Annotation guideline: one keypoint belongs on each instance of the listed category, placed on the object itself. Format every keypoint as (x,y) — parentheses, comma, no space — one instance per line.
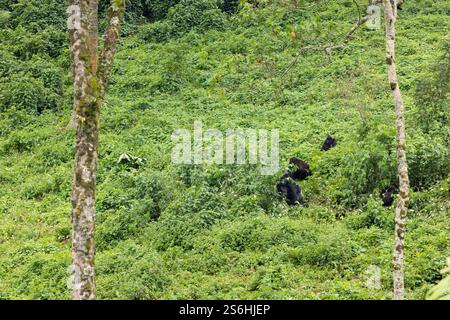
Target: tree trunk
(390,14)
(88,95)
(86,109)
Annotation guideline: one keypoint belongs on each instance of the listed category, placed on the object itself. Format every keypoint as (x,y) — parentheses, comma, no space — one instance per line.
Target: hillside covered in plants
(172,231)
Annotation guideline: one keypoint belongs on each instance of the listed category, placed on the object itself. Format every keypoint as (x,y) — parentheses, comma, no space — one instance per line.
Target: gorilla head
(387,195)
(299,169)
(290,190)
(328,144)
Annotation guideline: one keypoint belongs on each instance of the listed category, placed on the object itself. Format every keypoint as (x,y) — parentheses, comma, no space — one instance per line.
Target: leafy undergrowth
(167,231)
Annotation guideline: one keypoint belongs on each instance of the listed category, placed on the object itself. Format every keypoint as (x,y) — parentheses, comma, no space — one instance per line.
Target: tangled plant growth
(217,231)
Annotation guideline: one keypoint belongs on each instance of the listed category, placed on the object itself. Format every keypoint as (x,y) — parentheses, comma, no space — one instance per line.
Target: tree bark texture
(88,92)
(390,13)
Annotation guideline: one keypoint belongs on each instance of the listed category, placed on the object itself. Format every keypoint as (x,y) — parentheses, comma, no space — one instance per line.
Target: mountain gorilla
(287,187)
(329,143)
(299,169)
(387,195)
(290,190)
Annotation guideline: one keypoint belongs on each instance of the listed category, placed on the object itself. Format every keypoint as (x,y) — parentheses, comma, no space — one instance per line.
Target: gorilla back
(387,195)
(299,169)
(290,190)
(329,143)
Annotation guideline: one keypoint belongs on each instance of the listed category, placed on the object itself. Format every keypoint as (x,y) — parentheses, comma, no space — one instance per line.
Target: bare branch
(329,48)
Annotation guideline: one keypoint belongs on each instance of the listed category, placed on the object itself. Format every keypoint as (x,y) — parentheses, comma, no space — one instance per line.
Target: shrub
(374,214)
(230,6)
(115,226)
(190,215)
(159,31)
(24,140)
(213,19)
(188,15)
(441,291)
(431,96)
(157,10)
(7,63)
(428,160)
(4,18)
(34,94)
(267,279)
(138,10)
(131,271)
(355,171)
(261,232)
(26,93)
(333,250)
(36,15)
(40,186)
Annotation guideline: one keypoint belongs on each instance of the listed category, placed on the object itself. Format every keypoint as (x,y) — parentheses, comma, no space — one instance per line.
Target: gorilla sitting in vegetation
(287,187)
(290,190)
(299,169)
(328,144)
(387,195)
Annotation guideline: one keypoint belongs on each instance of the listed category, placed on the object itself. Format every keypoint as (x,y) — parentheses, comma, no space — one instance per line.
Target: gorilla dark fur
(299,169)
(329,143)
(290,190)
(287,187)
(387,195)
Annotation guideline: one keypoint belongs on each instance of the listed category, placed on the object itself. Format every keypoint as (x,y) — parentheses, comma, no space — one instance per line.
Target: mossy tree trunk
(390,14)
(89,79)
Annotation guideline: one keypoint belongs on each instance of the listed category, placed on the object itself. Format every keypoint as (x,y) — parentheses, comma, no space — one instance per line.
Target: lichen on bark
(89,90)
(390,13)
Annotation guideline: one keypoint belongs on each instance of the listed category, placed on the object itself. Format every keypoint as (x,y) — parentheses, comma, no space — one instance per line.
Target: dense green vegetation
(168,231)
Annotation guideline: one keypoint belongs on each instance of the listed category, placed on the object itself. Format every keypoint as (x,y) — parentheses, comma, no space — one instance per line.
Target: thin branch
(106,58)
(331,46)
(359,11)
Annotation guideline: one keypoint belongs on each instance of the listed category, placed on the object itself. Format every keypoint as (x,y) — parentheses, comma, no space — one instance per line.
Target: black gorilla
(299,169)
(387,195)
(287,187)
(290,190)
(328,144)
